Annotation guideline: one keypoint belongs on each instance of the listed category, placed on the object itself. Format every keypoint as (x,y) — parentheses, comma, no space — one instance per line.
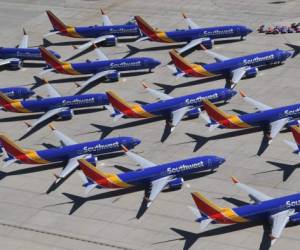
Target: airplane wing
(191,44)
(24,42)
(5,62)
(94,78)
(276,126)
(52,92)
(156,187)
(94,41)
(46,116)
(138,159)
(238,74)
(260,106)
(254,194)
(158,94)
(178,115)
(64,139)
(105,19)
(101,56)
(190,23)
(70,167)
(215,55)
(279,221)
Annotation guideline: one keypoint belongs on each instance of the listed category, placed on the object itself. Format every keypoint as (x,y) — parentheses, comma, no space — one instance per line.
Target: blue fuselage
(23,53)
(17,92)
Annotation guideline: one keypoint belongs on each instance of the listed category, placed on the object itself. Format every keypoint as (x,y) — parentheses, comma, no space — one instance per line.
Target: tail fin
(11,147)
(4,99)
(126,108)
(51,59)
(296,133)
(180,63)
(145,27)
(214,112)
(56,22)
(206,206)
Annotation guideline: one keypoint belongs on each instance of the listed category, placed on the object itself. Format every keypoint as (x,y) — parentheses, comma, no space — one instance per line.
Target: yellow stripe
(18,106)
(230,214)
(35,157)
(199,69)
(69,69)
(139,110)
(234,119)
(164,38)
(72,32)
(115,179)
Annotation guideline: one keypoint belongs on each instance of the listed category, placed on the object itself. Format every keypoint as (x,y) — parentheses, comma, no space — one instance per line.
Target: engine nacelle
(112,77)
(15,64)
(176,183)
(66,115)
(252,72)
(193,113)
(92,160)
(208,43)
(109,41)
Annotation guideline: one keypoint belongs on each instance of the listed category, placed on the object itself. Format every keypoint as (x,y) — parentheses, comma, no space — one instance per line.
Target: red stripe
(144,27)
(214,114)
(51,60)
(296,134)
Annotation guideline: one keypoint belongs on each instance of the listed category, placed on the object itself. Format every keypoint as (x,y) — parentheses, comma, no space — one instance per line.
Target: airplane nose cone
(136,141)
(288,54)
(249,30)
(233,93)
(31,92)
(220,160)
(156,63)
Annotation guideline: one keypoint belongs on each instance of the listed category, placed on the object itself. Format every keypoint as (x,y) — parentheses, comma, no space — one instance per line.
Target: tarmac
(106,219)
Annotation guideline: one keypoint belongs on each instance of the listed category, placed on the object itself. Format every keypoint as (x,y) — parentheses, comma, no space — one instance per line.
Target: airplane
(173,108)
(296,134)
(154,177)
(69,151)
(14,57)
(17,92)
(193,37)
(278,212)
(102,68)
(270,120)
(233,69)
(53,106)
(107,34)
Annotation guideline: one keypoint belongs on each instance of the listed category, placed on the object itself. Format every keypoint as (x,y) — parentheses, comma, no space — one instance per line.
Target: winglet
(45,81)
(235,180)
(184,15)
(124,148)
(102,11)
(202,46)
(145,85)
(51,127)
(95,46)
(28,124)
(24,32)
(242,93)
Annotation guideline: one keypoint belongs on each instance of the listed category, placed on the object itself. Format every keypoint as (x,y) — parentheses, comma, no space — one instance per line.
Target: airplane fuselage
(65,153)
(164,108)
(43,105)
(211,32)
(23,53)
(17,92)
(176,169)
(95,31)
(225,68)
(263,210)
(118,65)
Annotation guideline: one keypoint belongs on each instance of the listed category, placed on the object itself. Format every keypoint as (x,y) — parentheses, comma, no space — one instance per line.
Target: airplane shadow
(202,140)
(286,169)
(169,88)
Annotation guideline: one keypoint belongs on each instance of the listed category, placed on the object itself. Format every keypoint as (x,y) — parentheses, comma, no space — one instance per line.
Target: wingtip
(145,85)
(24,32)
(95,45)
(45,81)
(102,11)
(28,124)
(234,179)
(202,46)
(124,148)
(51,127)
(184,15)
(242,93)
